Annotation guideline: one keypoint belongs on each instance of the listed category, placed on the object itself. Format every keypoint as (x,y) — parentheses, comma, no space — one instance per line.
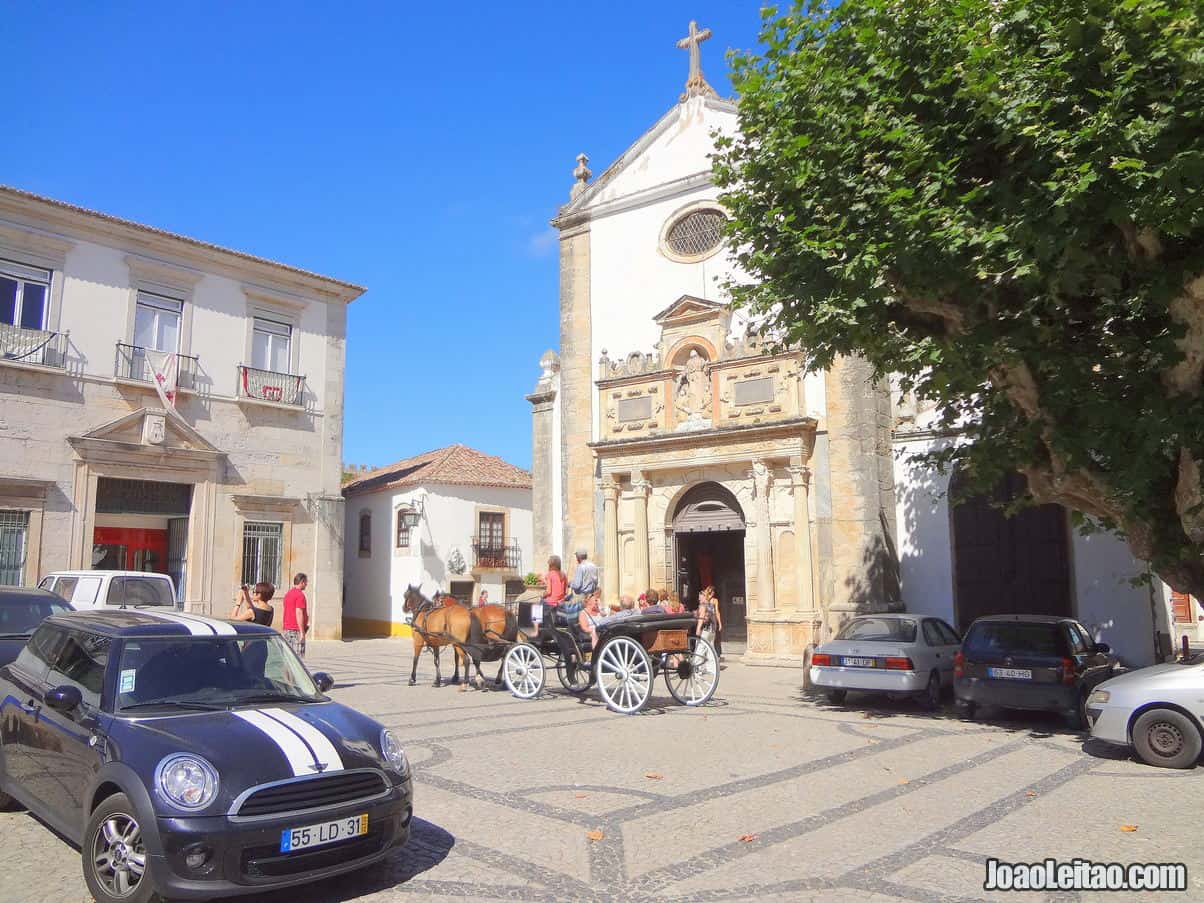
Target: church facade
(673,447)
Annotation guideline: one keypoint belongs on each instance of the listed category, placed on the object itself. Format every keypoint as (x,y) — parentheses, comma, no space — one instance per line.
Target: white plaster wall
(376,586)
(1103,598)
(683,148)
(925,542)
(367,581)
(95,311)
(1107,603)
(630,279)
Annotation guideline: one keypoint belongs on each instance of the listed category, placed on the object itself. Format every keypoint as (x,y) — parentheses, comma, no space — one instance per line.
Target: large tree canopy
(1002,201)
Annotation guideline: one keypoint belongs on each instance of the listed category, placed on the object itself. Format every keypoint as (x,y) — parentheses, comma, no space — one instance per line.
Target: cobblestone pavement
(761,793)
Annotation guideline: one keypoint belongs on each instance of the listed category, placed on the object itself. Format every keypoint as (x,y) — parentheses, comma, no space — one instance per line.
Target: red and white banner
(165,371)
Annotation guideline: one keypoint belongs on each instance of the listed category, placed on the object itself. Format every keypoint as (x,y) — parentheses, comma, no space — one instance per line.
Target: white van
(98,589)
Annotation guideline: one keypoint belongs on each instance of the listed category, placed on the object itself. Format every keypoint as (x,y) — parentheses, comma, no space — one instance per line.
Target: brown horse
(437,625)
(494,630)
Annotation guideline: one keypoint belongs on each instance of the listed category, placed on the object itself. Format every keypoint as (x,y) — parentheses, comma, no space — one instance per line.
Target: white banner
(165,371)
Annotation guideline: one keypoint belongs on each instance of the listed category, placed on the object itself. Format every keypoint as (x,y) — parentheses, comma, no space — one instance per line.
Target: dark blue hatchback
(194,758)
(22,609)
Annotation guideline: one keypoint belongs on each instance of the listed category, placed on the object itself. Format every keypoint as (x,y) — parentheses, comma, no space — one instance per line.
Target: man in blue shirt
(585,578)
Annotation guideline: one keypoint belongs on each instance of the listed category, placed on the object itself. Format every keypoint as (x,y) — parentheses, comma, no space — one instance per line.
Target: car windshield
(22,617)
(138,591)
(1005,637)
(211,672)
(879,630)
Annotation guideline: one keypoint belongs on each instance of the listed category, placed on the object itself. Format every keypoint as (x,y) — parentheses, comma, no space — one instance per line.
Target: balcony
(499,555)
(20,345)
(132,366)
(271,387)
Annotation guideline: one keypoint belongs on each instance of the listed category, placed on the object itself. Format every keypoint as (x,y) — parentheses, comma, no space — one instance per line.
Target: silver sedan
(888,653)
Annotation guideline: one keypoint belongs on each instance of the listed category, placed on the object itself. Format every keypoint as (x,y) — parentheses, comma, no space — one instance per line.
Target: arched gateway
(708,539)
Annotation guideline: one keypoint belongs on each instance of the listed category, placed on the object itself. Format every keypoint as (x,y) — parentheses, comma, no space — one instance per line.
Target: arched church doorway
(708,540)
(1009,565)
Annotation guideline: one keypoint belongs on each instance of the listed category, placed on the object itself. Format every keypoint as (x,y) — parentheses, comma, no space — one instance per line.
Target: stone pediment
(675,151)
(688,310)
(154,428)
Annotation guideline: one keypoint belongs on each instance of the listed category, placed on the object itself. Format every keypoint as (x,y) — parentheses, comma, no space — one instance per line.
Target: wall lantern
(411,516)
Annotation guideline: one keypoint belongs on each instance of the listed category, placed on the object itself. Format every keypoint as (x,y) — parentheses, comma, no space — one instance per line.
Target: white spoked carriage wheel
(524,671)
(624,674)
(692,677)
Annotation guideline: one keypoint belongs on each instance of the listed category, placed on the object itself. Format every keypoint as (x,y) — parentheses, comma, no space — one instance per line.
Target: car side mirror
(1102,648)
(324,681)
(65,698)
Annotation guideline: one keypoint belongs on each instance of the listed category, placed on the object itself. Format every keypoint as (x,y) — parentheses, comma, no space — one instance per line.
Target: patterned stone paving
(760,794)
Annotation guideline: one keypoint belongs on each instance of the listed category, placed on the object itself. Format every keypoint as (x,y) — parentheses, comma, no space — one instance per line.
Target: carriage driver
(585,583)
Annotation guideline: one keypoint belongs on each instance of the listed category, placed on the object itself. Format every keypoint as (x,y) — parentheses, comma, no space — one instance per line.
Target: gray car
(888,653)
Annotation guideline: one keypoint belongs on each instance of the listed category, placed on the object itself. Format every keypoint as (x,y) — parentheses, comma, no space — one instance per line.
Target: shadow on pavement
(428,846)
(1098,749)
(878,706)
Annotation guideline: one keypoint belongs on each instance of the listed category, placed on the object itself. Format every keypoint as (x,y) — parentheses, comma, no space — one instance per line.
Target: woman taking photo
(248,607)
(709,622)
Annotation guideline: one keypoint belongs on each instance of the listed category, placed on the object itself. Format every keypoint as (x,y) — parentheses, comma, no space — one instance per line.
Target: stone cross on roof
(696,83)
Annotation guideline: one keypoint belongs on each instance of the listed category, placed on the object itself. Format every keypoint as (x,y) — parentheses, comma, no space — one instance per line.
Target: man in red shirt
(296,614)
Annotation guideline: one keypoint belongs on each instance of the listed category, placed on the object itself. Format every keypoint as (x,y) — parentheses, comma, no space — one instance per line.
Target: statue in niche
(692,396)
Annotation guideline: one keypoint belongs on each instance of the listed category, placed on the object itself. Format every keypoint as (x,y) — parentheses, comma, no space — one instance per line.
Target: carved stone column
(611,579)
(800,481)
(640,488)
(762,481)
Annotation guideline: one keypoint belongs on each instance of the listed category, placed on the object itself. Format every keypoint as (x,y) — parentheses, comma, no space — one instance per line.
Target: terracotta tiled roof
(457,465)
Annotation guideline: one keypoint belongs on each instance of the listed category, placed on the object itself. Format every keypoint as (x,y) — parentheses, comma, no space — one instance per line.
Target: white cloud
(543,243)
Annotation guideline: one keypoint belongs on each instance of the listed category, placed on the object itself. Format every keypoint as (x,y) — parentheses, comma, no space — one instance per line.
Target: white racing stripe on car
(300,759)
(220,628)
(322,747)
(195,628)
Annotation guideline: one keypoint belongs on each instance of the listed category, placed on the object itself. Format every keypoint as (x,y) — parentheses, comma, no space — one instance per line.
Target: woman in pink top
(556,582)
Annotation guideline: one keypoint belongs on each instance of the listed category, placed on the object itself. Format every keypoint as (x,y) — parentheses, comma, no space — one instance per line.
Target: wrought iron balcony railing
(133,365)
(32,346)
(266,385)
(488,553)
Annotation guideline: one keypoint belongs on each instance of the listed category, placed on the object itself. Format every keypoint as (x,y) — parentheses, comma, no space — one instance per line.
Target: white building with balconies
(230,471)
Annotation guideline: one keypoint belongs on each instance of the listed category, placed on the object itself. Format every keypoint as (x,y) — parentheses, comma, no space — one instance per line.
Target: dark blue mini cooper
(194,758)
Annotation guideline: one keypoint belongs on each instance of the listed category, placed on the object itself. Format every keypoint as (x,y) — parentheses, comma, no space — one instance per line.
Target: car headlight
(1099,697)
(390,749)
(186,780)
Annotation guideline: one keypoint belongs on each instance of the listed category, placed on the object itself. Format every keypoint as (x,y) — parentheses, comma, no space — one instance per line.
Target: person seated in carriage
(590,624)
(556,583)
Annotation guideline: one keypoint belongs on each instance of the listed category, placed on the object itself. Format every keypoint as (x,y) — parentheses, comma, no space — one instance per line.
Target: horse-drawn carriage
(630,652)
(530,638)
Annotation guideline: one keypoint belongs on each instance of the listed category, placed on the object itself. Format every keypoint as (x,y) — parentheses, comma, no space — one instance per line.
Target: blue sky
(417,149)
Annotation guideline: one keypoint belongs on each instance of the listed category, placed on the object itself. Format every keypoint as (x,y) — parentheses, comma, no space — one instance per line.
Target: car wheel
(971,709)
(931,697)
(837,697)
(114,854)
(1078,719)
(1167,738)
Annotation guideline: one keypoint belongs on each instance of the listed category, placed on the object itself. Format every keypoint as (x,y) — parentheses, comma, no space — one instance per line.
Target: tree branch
(1187,376)
(1189,497)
